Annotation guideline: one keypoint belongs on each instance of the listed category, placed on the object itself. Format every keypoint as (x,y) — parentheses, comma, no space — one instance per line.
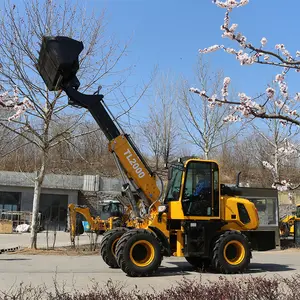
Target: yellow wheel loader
(192,220)
(111,216)
(286,224)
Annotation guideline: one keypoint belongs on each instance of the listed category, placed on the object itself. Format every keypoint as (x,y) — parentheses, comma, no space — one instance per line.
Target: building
(16,194)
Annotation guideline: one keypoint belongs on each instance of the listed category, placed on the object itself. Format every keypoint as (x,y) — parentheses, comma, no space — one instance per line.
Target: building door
(54,210)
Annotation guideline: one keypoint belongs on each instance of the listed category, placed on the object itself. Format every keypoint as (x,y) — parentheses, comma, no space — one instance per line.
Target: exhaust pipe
(238,179)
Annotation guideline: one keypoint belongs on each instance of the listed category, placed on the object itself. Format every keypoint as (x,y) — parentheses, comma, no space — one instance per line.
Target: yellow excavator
(192,219)
(111,216)
(286,224)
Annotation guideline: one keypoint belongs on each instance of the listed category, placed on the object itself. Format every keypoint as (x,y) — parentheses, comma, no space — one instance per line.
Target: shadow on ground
(184,268)
(14,259)
(259,268)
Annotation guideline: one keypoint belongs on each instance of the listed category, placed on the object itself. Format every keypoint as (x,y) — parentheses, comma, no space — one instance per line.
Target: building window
(266,208)
(10,201)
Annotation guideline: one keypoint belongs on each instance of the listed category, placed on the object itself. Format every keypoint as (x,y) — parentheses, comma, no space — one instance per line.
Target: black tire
(199,262)
(139,253)
(108,246)
(231,253)
(284,230)
(79,229)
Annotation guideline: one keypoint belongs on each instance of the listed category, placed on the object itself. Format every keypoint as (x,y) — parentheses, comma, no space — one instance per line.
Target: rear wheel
(138,253)
(231,253)
(108,245)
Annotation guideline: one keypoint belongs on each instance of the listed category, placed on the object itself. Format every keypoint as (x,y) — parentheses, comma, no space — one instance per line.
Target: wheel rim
(113,246)
(142,253)
(234,252)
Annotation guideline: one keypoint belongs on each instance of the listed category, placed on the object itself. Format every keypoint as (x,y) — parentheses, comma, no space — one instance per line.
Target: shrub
(252,288)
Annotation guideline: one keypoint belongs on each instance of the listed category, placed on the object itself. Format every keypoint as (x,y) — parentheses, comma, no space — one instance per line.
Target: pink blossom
(210,49)
(226,83)
(28,103)
(230,4)
(212,98)
(287,149)
(297,53)
(231,118)
(279,77)
(263,41)
(279,103)
(283,123)
(270,92)
(279,46)
(266,57)
(245,59)
(230,50)
(283,88)
(228,34)
(243,97)
(197,91)
(12,102)
(297,97)
(212,105)
(233,27)
(267,165)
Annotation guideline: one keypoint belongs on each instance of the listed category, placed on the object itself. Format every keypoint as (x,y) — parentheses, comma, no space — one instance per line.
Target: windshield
(111,210)
(174,185)
(298,212)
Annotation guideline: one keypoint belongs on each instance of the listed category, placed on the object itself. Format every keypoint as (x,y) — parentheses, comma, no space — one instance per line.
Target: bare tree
(160,130)
(20,35)
(203,124)
(277,151)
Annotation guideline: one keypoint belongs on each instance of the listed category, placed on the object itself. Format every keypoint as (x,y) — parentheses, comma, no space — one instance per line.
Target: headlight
(162,208)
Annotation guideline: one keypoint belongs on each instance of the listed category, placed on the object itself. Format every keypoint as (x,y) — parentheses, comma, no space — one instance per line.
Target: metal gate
(54,210)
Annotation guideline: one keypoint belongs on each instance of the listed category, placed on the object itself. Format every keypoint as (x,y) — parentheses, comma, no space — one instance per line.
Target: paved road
(81,272)
(23,239)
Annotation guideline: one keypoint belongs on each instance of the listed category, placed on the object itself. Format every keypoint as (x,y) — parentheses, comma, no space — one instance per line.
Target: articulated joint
(78,99)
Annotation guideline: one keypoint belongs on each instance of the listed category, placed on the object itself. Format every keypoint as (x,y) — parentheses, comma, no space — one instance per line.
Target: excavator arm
(58,64)
(96,224)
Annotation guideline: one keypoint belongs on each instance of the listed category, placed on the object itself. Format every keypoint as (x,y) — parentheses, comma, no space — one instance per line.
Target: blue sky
(169,33)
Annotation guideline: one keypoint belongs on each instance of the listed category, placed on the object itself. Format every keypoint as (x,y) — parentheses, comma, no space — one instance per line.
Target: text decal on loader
(135,164)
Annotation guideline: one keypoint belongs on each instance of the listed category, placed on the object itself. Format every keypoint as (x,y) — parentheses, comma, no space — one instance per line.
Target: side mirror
(58,61)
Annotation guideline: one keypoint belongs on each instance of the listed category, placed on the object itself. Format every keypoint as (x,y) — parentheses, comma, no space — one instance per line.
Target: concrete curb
(12,249)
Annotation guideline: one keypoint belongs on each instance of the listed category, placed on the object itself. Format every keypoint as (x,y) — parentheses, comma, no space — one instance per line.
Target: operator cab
(111,209)
(298,211)
(196,184)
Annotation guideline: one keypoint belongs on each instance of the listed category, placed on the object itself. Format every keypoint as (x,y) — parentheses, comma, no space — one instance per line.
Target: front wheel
(139,253)
(231,253)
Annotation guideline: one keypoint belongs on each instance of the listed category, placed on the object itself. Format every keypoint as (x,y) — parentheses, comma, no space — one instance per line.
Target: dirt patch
(68,251)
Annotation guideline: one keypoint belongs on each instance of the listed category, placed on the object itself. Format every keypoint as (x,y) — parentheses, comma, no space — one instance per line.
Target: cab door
(200,194)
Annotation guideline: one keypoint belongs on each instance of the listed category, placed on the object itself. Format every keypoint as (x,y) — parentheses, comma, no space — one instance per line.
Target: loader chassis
(193,220)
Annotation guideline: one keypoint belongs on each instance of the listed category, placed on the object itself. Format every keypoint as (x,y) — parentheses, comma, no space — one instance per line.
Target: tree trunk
(276,167)
(36,203)
(206,155)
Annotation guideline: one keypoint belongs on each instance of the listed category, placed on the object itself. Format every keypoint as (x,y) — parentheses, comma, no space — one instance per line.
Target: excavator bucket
(58,61)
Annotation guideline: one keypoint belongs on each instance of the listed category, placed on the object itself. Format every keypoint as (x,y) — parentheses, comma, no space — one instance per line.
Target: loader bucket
(58,60)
